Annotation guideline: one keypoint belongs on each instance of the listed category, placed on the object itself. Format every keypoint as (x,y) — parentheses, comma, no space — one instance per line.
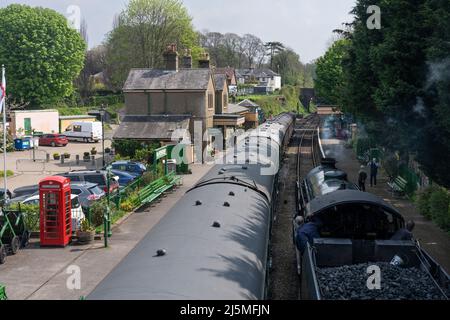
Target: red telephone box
(55,211)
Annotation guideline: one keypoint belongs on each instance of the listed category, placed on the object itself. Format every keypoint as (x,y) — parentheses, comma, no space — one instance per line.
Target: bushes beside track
(434,204)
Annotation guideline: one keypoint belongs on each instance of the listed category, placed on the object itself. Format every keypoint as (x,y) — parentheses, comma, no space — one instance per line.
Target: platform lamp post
(102,115)
(107,216)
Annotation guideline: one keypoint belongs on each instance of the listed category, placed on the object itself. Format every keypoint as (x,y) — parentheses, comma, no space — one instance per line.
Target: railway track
(284,282)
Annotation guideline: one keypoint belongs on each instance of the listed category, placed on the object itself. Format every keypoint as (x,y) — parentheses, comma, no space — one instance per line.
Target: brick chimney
(187,59)
(171,58)
(203,62)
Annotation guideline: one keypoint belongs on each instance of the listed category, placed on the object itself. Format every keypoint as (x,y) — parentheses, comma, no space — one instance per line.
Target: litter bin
(18,144)
(26,143)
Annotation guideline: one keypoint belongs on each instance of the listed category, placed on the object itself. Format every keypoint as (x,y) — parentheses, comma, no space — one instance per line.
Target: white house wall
(43,121)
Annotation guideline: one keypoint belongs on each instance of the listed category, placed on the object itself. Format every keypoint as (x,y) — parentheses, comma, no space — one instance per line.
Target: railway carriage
(214,243)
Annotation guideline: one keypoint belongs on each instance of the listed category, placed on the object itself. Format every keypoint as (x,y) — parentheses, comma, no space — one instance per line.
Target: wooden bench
(398,186)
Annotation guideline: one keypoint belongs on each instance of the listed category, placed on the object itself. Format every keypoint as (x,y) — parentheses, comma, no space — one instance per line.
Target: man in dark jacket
(405,233)
(362,177)
(307,233)
(373,172)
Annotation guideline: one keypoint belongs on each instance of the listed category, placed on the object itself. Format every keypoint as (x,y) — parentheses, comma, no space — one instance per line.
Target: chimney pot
(204,61)
(187,59)
(171,57)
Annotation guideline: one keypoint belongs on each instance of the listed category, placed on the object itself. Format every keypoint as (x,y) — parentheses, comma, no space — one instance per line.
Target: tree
(94,63)
(287,63)
(42,54)
(273,48)
(329,73)
(143,31)
(254,49)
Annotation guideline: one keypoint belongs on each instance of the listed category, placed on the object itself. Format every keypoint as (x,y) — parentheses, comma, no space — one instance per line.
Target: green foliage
(9,173)
(423,201)
(439,204)
(434,203)
(96,212)
(31,215)
(135,150)
(9,142)
(286,101)
(142,33)
(293,72)
(396,79)
(329,73)
(42,54)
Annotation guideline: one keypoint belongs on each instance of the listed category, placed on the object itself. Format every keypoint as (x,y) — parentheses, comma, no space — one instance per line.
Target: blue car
(124,177)
(134,168)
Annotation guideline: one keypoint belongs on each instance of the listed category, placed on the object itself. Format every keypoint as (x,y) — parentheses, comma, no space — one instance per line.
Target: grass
(273,104)
(9,173)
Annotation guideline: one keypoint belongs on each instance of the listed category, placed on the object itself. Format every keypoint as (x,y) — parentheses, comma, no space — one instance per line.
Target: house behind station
(161,104)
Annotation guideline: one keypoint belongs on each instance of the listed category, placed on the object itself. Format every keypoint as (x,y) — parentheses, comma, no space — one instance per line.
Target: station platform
(37,273)
(433,239)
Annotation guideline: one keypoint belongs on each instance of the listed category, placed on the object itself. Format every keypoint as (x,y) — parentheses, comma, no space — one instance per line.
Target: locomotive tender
(356,232)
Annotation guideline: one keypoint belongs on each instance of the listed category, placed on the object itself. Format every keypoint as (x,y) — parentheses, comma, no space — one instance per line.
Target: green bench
(157,188)
(398,186)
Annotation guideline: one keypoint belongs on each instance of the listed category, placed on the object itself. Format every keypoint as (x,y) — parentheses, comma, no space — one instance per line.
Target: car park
(98,177)
(134,168)
(53,140)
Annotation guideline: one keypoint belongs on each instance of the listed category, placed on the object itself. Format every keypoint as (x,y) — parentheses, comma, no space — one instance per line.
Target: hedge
(434,204)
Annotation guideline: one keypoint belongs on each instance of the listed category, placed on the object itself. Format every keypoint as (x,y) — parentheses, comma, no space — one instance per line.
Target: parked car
(124,177)
(87,192)
(76,210)
(98,177)
(84,131)
(26,191)
(54,140)
(134,168)
(2,193)
(24,197)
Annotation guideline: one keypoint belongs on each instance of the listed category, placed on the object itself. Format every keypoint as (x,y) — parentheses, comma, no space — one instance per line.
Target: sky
(303,25)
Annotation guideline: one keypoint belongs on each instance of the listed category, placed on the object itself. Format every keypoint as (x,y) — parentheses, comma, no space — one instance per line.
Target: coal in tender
(350,283)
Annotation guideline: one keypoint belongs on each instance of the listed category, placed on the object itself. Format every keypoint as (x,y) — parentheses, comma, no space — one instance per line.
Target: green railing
(411,177)
(3,295)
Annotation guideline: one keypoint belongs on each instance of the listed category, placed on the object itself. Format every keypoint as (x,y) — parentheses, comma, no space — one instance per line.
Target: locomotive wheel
(15,245)
(2,254)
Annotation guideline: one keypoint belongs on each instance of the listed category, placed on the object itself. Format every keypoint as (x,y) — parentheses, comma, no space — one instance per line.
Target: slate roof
(220,80)
(158,127)
(156,79)
(257,73)
(247,103)
(234,108)
(230,72)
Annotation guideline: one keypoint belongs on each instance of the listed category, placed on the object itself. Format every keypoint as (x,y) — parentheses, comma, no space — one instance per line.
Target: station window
(210,101)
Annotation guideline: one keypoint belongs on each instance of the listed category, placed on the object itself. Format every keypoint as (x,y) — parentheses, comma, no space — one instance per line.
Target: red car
(53,140)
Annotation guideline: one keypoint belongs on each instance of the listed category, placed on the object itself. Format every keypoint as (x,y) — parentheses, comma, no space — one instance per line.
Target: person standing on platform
(362,177)
(374,165)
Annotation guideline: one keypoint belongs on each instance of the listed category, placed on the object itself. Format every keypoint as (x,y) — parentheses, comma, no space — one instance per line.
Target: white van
(84,131)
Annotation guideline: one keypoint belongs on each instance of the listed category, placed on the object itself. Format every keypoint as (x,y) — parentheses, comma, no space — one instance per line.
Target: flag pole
(5,195)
